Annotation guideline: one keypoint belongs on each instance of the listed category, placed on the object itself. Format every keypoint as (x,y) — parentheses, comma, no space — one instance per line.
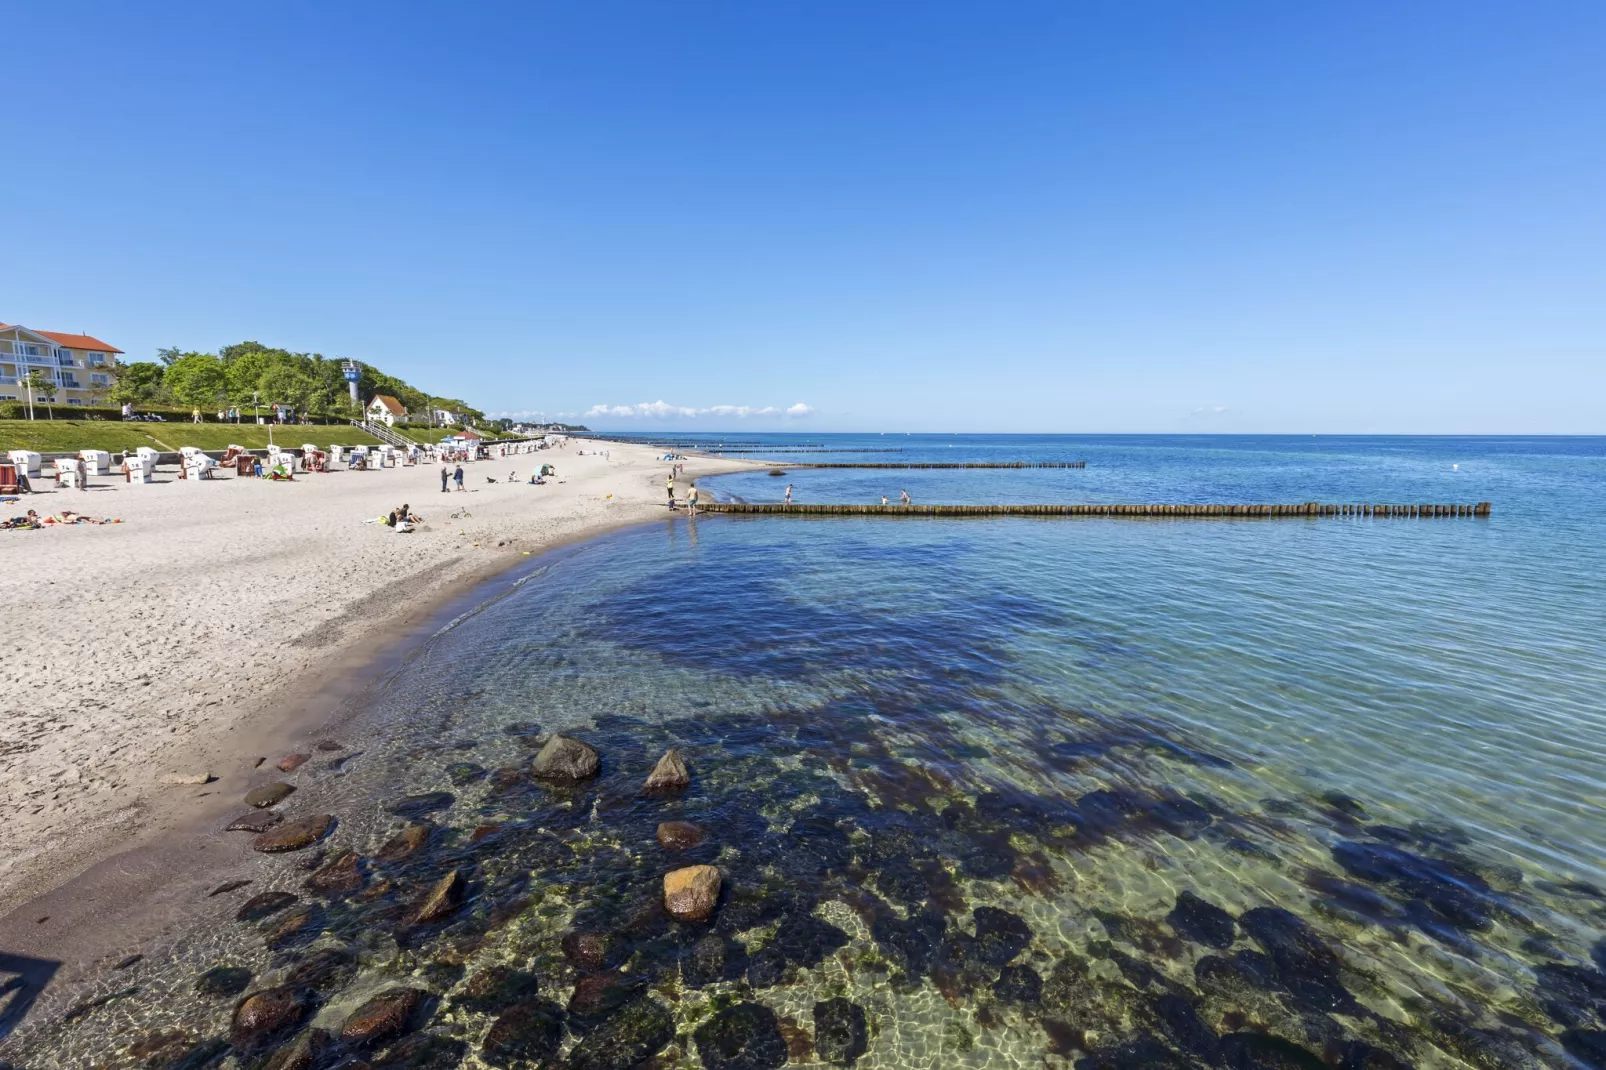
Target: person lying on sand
(29,522)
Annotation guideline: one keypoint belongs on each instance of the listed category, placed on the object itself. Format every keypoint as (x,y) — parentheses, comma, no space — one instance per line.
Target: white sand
(171,643)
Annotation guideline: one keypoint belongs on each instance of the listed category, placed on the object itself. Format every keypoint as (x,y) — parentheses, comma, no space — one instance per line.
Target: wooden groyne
(959,464)
(1142,510)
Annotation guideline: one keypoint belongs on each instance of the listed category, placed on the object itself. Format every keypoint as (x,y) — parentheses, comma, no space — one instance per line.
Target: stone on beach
(260,906)
(268,795)
(419,805)
(443,899)
(679,835)
(291,762)
(294,835)
(562,758)
(690,894)
(256,821)
(670,774)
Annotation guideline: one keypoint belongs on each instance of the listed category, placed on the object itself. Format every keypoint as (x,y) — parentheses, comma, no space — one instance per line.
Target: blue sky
(1099,216)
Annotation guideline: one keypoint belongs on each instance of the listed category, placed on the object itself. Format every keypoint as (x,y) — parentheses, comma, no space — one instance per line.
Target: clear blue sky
(1060,216)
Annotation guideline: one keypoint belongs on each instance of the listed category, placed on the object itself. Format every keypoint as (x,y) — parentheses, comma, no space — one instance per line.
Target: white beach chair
(28,462)
(337,454)
(96,462)
(138,470)
(67,473)
(149,455)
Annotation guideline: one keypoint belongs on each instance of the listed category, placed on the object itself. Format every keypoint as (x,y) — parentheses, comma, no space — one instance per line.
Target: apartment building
(78,366)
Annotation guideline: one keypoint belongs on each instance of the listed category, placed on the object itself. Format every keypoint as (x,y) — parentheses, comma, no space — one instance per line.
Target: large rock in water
(630,1036)
(690,894)
(311,1050)
(678,835)
(670,774)
(524,1034)
(384,1018)
(744,1037)
(294,835)
(404,843)
(840,1035)
(263,1018)
(562,758)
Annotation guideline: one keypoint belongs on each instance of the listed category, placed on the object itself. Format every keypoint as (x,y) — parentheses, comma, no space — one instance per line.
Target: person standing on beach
(691,499)
(789,494)
(458,477)
(671,485)
(446,475)
(83,474)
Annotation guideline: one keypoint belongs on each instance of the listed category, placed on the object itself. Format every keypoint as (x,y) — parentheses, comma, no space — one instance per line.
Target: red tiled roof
(390,403)
(78,341)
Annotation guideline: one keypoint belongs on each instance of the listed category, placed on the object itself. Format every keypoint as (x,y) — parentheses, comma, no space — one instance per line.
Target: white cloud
(662,410)
(1209,410)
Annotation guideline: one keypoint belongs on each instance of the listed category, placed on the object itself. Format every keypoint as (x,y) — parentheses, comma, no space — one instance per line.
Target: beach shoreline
(255,615)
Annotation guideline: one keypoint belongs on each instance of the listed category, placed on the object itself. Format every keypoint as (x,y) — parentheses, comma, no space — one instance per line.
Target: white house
(446,417)
(386,409)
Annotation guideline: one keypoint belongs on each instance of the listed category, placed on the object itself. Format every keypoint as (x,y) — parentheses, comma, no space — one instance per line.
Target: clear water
(1389,729)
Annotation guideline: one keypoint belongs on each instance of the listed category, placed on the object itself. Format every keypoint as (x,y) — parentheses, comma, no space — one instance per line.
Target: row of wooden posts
(1298,509)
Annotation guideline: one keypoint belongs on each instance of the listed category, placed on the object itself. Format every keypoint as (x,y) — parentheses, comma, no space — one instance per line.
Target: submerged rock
(526,1033)
(496,988)
(222,981)
(291,762)
(384,1018)
(1264,1051)
(294,835)
(264,1018)
(325,970)
(679,835)
(421,1051)
(691,894)
(912,942)
(461,773)
(404,843)
(632,1035)
(1202,922)
(1143,1052)
(312,1050)
(746,1036)
(428,802)
(586,950)
(563,758)
(443,899)
(263,904)
(1298,960)
(805,940)
(670,774)
(1018,984)
(840,1034)
(340,875)
(268,795)
(1000,935)
(713,958)
(299,926)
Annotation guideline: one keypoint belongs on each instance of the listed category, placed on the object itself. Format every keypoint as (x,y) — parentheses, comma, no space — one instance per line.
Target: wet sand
(220,617)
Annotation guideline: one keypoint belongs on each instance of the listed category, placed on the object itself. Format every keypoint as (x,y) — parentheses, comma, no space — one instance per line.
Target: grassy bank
(69,436)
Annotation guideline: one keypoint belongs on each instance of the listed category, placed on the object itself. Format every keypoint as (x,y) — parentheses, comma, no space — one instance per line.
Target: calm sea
(1008,792)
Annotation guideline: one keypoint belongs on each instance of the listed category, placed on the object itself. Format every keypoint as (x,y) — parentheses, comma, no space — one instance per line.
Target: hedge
(18,410)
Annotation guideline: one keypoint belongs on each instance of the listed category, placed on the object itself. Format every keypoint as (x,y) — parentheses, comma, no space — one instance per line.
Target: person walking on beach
(903,496)
(691,499)
(458,477)
(446,475)
(789,494)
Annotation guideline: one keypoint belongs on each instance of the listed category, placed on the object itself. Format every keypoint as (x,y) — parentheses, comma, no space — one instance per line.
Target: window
(97,358)
(74,401)
(98,379)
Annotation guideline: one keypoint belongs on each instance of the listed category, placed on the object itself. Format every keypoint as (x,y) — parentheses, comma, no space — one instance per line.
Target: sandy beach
(180,642)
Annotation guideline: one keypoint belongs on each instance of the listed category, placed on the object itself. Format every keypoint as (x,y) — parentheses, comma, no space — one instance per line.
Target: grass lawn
(68,436)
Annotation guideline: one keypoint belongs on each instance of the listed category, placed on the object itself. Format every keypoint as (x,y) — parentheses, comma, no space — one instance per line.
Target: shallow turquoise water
(1391,730)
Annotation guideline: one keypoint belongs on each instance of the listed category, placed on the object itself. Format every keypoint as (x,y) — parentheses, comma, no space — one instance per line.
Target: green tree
(137,383)
(197,380)
(169,355)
